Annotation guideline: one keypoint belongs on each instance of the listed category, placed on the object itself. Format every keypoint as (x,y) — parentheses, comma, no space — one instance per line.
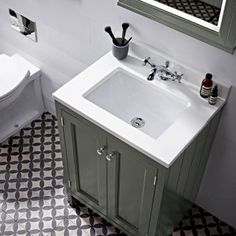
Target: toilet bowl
(20,94)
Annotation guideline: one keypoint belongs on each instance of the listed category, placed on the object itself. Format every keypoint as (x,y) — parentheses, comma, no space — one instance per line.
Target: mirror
(212,21)
(207,13)
(23,25)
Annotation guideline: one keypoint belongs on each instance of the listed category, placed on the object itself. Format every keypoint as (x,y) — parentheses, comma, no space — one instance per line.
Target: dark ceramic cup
(120,52)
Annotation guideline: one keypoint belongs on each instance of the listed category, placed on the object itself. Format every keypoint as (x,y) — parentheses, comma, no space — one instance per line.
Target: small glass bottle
(206,86)
(213,97)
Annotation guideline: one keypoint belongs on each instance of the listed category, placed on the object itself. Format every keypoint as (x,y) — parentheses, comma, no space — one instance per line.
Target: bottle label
(205,91)
(212,100)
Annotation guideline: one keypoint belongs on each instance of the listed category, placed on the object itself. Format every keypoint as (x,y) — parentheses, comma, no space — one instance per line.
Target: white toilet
(20,94)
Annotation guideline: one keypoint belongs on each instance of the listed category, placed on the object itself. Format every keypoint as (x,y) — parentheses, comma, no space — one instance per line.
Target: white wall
(71,36)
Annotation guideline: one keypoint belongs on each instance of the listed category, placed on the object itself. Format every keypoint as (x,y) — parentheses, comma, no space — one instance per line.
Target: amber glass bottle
(206,86)
(213,97)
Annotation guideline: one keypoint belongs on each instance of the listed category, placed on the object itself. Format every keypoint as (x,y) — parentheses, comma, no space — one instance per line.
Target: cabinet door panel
(87,170)
(130,188)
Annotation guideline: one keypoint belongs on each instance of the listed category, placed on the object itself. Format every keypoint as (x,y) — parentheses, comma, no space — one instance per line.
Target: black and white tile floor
(32,195)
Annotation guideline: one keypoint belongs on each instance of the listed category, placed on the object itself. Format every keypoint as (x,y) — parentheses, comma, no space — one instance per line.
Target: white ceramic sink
(127,97)
(110,93)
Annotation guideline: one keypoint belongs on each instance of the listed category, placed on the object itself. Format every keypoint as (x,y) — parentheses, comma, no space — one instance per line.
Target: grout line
(86,234)
(22,227)
(8,215)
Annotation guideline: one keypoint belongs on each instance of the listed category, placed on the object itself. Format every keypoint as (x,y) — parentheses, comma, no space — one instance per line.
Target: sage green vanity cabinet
(87,170)
(107,175)
(132,191)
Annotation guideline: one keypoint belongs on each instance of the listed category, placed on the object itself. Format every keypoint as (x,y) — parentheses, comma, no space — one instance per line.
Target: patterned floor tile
(33,201)
(202,223)
(10,226)
(69,228)
(91,223)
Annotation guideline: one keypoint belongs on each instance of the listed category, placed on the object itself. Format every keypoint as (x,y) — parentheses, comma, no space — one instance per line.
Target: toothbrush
(109,31)
(127,41)
(125,26)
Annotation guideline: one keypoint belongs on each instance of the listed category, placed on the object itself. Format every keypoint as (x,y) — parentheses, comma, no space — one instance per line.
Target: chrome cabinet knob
(110,156)
(101,150)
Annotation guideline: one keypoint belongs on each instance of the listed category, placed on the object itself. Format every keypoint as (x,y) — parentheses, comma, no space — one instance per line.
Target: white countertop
(170,144)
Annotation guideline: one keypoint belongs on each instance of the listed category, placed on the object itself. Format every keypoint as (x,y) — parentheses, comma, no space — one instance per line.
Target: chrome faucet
(163,72)
(152,73)
(166,74)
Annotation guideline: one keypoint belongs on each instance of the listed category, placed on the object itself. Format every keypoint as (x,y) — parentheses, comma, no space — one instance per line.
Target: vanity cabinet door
(87,169)
(131,185)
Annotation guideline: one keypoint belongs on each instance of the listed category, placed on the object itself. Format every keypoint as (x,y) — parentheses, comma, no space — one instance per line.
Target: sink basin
(157,118)
(127,97)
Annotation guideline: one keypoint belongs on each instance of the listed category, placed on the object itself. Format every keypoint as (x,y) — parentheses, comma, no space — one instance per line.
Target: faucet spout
(152,73)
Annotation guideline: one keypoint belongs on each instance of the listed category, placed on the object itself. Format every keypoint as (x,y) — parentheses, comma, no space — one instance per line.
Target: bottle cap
(209,76)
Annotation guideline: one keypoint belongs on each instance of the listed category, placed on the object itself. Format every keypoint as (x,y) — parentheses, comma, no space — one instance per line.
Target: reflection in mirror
(207,13)
(212,21)
(207,10)
(23,25)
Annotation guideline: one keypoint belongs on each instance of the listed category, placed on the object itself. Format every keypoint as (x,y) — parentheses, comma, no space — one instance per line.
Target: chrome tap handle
(146,60)
(178,77)
(167,64)
(101,150)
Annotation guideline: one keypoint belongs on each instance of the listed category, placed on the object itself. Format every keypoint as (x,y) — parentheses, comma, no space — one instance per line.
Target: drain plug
(137,122)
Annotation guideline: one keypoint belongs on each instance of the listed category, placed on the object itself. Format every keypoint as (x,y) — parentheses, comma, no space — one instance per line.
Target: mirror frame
(224,39)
